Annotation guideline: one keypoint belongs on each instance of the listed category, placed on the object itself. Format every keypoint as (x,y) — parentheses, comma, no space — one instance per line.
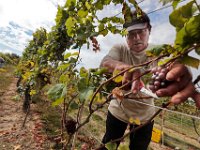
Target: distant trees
(9,58)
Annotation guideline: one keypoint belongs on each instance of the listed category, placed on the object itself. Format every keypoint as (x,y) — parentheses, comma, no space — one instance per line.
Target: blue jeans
(115,128)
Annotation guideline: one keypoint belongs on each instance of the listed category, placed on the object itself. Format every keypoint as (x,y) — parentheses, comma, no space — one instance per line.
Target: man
(123,56)
(120,57)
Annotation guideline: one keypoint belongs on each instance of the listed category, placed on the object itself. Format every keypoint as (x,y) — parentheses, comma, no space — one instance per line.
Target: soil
(12,135)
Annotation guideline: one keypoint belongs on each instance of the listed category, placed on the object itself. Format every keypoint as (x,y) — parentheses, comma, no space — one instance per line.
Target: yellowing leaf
(26,75)
(117,93)
(99,99)
(134,121)
(17,147)
(118,79)
(32,92)
(45,79)
(32,64)
(2,70)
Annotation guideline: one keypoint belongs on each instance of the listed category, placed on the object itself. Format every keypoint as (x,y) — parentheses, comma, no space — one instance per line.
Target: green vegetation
(78,93)
(6,77)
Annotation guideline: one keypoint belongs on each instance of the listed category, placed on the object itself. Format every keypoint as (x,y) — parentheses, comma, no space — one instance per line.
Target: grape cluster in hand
(158,78)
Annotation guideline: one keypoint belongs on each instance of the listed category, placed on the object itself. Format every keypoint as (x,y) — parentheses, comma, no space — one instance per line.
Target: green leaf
(158,50)
(111,146)
(63,66)
(189,34)
(58,101)
(101,71)
(101,27)
(104,32)
(71,21)
(163,61)
(64,78)
(82,13)
(88,5)
(74,105)
(197,50)
(86,94)
(106,2)
(175,3)
(126,11)
(75,54)
(67,56)
(180,16)
(56,92)
(82,84)
(98,5)
(70,32)
(70,2)
(192,27)
(190,61)
(83,72)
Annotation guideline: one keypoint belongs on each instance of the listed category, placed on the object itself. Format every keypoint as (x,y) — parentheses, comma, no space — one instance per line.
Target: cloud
(162,33)
(28,13)
(6,51)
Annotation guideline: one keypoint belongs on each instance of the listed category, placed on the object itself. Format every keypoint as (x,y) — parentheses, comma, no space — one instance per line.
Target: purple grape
(158,78)
(162,75)
(153,70)
(157,83)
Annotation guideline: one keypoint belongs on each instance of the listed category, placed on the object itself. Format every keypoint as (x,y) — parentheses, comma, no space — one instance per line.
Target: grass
(6,74)
(95,129)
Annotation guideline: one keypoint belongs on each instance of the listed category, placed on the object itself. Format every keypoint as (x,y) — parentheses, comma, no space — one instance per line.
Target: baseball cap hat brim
(137,26)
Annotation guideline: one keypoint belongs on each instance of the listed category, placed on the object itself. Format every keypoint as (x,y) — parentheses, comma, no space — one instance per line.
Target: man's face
(137,40)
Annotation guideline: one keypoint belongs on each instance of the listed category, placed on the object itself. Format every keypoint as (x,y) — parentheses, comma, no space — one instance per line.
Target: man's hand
(182,87)
(137,84)
(127,75)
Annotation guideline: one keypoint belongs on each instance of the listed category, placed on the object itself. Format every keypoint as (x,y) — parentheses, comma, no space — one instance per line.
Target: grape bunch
(158,78)
(70,126)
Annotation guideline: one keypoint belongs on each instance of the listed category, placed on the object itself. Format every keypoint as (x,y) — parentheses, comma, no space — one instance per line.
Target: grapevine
(48,60)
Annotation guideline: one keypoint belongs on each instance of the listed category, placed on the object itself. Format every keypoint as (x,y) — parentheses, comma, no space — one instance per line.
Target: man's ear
(149,28)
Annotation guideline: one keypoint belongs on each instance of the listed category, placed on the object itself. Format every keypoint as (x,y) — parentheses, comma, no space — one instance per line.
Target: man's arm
(113,65)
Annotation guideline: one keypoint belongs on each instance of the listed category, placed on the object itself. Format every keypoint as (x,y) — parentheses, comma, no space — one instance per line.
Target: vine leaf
(180,16)
(88,5)
(82,13)
(190,61)
(126,11)
(158,50)
(175,3)
(197,50)
(70,2)
(119,78)
(189,34)
(86,94)
(58,101)
(111,146)
(57,91)
(134,121)
(163,61)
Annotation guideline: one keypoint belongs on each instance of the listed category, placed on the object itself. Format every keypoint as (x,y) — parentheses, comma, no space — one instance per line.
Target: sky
(20,18)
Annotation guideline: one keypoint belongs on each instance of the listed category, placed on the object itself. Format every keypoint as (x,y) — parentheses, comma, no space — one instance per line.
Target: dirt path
(12,135)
